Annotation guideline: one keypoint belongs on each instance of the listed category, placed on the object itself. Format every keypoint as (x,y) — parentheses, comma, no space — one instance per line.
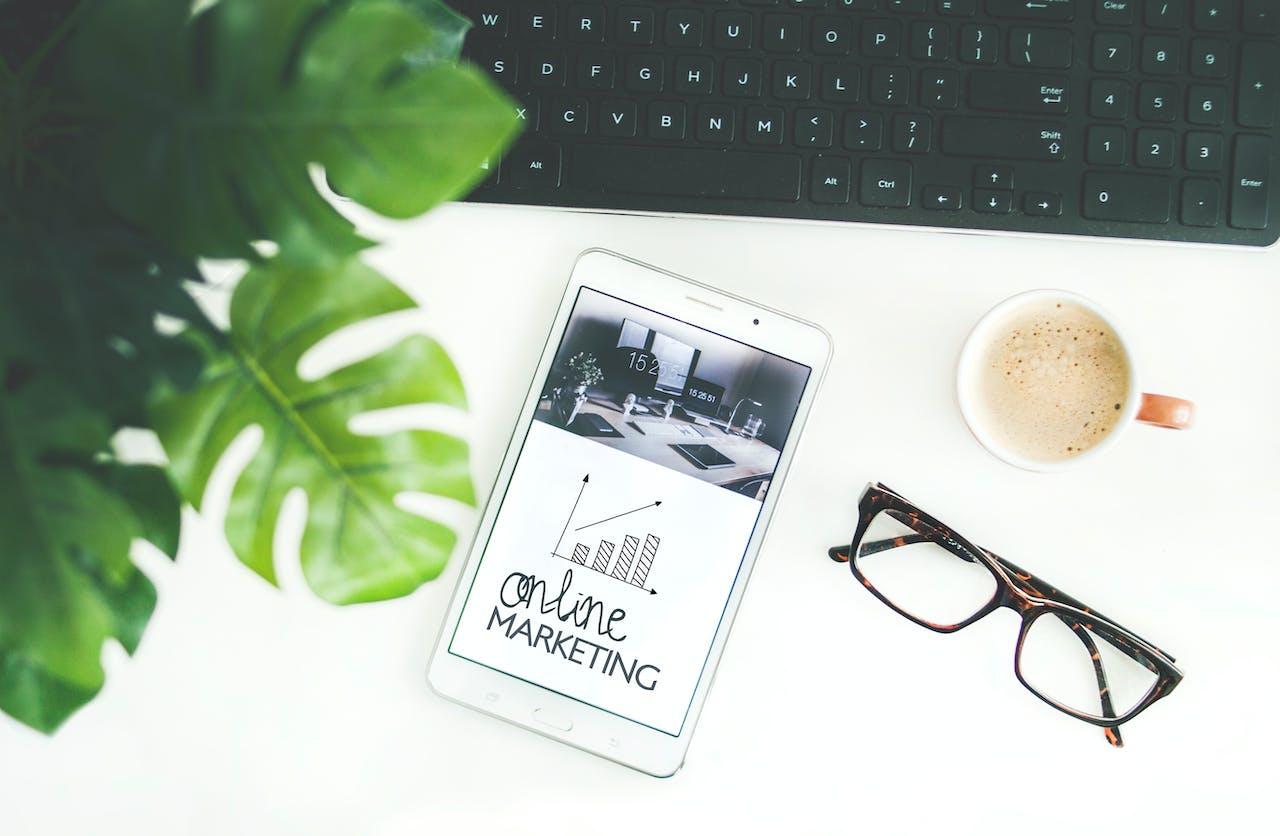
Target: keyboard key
(635,26)
(1206,105)
(792,80)
(889,85)
(538,21)
(596,71)
(1105,145)
(715,124)
(1213,15)
(840,82)
(491,20)
(732,30)
(569,116)
(618,118)
(912,133)
(695,75)
(1261,17)
(881,38)
(1053,10)
(529,112)
(1157,102)
(684,28)
(957,8)
(991,202)
(764,125)
(1040,48)
(1109,99)
(546,69)
(1114,12)
(743,77)
(1155,148)
(979,44)
(585,24)
(1165,14)
(1003,139)
(535,164)
(782,33)
(863,131)
(1018,92)
(502,64)
(686,172)
(644,73)
(1251,182)
(930,41)
(993,177)
(940,89)
(832,35)
(1210,58)
(942,198)
(1160,55)
(830,180)
(1259,76)
(1137,198)
(814,128)
(1042,204)
(1200,202)
(666,121)
(1112,52)
(885,183)
(1204,152)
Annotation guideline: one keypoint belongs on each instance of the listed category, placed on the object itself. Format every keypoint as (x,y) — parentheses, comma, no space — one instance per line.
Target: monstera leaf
(357,544)
(210,124)
(69,519)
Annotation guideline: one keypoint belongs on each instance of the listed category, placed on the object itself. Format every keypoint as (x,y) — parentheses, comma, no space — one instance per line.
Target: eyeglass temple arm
(840,554)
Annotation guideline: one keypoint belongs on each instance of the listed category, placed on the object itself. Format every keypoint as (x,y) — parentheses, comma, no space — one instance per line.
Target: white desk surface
(249,710)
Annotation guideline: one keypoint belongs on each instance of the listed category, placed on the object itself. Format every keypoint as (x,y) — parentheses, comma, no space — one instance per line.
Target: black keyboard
(1122,118)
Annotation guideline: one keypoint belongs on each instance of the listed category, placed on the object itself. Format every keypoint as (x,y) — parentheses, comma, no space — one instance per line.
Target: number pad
(1204,152)
(1160,55)
(1157,102)
(1105,145)
(1155,148)
(1206,105)
(1210,58)
(1109,99)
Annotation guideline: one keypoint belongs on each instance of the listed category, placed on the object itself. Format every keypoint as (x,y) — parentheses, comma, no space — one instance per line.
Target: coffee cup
(1047,380)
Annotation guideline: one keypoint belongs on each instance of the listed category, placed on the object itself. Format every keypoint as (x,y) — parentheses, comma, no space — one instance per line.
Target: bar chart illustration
(633,561)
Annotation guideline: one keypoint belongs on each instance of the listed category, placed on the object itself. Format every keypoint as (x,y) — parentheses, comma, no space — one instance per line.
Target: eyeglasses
(1073,658)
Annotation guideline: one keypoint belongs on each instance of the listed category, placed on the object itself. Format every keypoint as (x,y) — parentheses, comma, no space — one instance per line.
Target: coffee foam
(1053,381)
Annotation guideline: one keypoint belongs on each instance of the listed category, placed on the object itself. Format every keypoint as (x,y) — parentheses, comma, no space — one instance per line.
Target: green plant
(137,137)
(584,370)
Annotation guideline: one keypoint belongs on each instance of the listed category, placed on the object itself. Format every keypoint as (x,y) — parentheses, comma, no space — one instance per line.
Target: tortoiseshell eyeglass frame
(1019,590)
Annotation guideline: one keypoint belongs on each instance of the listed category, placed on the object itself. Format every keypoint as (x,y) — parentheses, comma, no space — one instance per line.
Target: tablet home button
(550,718)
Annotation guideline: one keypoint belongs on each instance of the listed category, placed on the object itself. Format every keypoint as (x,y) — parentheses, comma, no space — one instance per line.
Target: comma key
(885,183)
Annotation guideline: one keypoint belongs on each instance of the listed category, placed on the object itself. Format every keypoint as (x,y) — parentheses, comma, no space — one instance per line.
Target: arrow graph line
(623,514)
(569,519)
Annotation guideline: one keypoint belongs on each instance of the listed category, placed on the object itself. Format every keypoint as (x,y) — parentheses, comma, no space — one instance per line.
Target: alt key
(1042,204)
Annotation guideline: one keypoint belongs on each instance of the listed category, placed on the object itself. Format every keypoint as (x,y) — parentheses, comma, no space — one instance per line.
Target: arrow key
(993,177)
(942,198)
(1042,204)
(992,202)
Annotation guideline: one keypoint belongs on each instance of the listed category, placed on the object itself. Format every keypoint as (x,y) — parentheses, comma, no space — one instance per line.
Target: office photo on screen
(672,393)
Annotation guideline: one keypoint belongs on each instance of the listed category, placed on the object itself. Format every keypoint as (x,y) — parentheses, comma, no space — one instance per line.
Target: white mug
(1158,410)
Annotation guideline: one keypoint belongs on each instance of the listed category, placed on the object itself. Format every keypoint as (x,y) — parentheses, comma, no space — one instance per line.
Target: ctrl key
(885,183)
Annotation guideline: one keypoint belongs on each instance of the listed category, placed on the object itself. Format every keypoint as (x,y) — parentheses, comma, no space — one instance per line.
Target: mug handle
(1165,411)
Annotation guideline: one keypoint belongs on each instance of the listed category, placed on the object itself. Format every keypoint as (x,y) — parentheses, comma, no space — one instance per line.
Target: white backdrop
(250,710)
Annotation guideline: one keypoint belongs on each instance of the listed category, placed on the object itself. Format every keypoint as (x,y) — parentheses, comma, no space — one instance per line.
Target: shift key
(1251,183)
(1003,139)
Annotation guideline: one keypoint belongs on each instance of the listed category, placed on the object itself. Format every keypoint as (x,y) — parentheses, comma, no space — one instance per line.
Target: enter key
(1251,182)
(1007,92)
